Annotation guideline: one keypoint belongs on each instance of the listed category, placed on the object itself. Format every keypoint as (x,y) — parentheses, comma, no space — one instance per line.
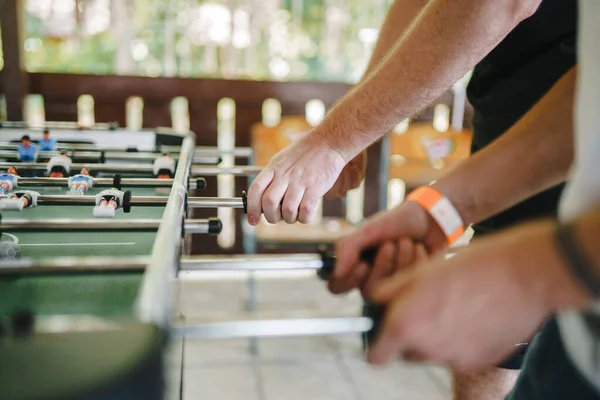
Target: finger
(307,207)
(291,204)
(255,194)
(271,201)
(350,282)
(376,230)
(420,253)
(381,268)
(405,256)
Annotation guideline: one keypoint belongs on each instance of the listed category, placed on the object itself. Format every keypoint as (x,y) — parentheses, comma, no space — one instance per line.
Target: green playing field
(106,294)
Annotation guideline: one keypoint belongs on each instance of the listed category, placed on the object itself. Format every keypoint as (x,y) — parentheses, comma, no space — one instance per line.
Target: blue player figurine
(47,143)
(8,180)
(80,183)
(28,152)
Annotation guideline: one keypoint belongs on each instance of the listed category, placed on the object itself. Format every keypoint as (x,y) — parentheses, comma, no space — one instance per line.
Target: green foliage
(158,36)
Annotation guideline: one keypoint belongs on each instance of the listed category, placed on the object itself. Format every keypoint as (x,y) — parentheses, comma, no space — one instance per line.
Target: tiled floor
(293,368)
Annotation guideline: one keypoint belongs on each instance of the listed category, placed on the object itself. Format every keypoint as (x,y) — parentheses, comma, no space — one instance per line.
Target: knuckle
(289,209)
(306,207)
(303,219)
(270,201)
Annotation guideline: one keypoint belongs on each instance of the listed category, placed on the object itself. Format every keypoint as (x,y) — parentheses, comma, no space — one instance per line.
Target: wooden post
(14,76)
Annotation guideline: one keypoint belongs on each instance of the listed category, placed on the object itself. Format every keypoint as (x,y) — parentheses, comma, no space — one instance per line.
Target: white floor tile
(220,383)
(204,353)
(305,381)
(296,348)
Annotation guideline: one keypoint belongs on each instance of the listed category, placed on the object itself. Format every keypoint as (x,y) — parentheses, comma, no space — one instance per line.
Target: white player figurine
(9,180)
(80,183)
(107,202)
(164,167)
(19,200)
(59,166)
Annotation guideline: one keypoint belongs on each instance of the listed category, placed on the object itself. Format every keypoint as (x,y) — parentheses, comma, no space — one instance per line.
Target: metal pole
(254,262)
(154,300)
(146,168)
(59,200)
(98,225)
(114,152)
(72,265)
(246,170)
(274,328)
(101,126)
(147,201)
(215,202)
(136,168)
(105,182)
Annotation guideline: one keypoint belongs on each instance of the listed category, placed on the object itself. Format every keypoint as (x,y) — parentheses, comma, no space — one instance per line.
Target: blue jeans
(548,373)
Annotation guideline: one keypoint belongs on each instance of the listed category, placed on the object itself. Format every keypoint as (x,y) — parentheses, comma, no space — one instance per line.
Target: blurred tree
(245,39)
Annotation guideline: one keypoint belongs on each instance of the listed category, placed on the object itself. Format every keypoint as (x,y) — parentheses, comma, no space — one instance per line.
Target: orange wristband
(441,210)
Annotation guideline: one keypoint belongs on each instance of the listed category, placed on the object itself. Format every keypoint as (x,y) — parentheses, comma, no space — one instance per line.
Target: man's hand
(407,224)
(350,178)
(294,181)
(471,310)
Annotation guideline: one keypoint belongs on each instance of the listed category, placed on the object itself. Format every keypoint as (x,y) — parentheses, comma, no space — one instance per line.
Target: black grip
(200,184)
(373,311)
(329,259)
(117,181)
(245,201)
(215,226)
(23,322)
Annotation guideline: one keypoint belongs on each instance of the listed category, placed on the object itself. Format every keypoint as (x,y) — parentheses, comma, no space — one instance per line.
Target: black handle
(245,201)
(373,311)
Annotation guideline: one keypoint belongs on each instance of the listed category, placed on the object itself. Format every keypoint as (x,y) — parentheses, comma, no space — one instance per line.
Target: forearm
(533,155)
(445,41)
(398,19)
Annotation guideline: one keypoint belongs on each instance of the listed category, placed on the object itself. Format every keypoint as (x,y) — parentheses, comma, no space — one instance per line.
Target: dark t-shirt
(512,78)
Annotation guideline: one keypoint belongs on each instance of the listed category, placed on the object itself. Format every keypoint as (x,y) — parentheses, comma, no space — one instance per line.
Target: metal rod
(155,298)
(100,126)
(251,262)
(104,182)
(61,200)
(242,152)
(146,201)
(109,155)
(97,225)
(147,168)
(116,153)
(197,170)
(274,328)
(215,202)
(72,265)
(249,170)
